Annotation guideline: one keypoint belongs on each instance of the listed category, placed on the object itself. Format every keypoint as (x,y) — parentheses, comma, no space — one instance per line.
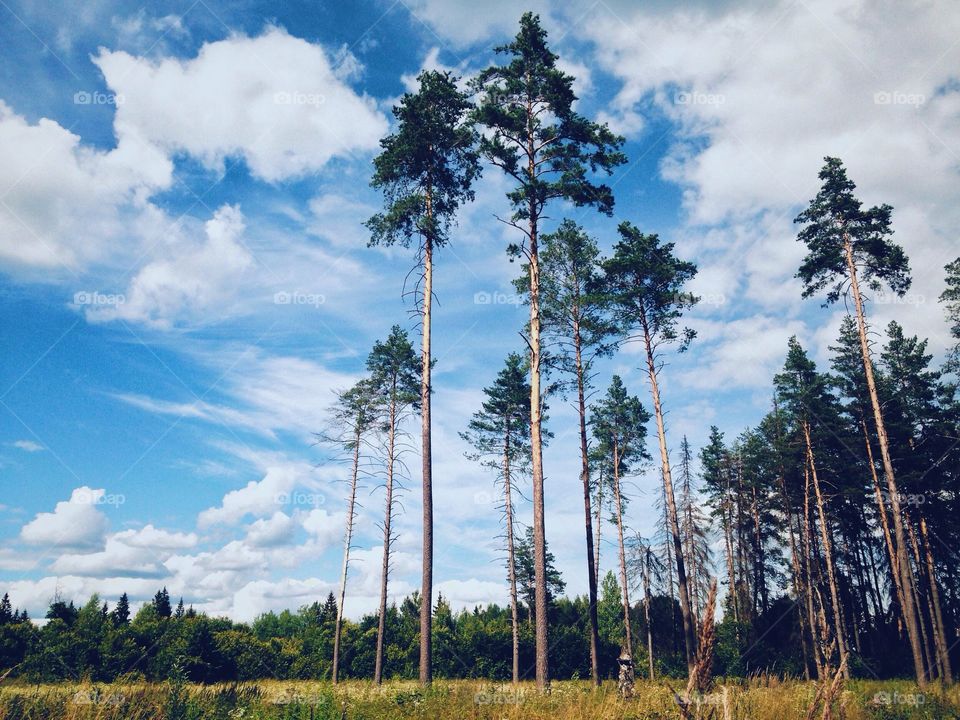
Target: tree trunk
(646,610)
(689,635)
(808,565)
(511,561)
(797,573)
(940,635)
(625,595)
(839,631)
(426,582)
(892,554)
(726,509)
(536,445)
(931,658)
(385,571)
(908,608)
(348,537)
(587,515)
(599,514)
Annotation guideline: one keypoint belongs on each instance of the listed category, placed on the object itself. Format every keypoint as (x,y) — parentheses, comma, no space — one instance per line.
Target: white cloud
(760,94)
(275,100)
(156,538)
(260,498)
(194,279)
(278,529)
(62,204)
(74,523)
(741,353)
(28,446)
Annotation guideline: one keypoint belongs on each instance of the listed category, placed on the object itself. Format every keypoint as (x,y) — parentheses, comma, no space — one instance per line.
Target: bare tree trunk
(940,635)
(797,572)
(689,633)
(426,581)
(347,539)
(588,519)
(910,612)
(728,547)
(808,564)
(646,610)
(599,515)
(760,579)
(932,659)
(381,622)
(511,558)
(625,595)
(536,444)
(840,631)
(892,554)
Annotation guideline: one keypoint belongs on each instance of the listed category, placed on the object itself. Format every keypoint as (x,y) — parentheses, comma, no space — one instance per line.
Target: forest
(817,546)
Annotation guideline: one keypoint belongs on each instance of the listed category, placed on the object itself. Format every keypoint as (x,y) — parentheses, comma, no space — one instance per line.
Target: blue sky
(167,176)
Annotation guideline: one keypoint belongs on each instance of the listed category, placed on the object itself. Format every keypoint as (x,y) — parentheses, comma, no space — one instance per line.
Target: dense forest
(826,532)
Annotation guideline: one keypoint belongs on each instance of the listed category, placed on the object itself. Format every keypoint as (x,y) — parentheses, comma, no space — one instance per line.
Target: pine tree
(619,423)
(426,170)
(395,384)
(645,281)
(694,531)
(806,396)
(500,434)
(121,611)
(354,415)
(951,300)
(848,246)
(6,610)
(161,603)
(537,139)
(576,330)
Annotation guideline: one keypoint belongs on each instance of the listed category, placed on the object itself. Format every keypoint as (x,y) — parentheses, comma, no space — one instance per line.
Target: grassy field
(454,700)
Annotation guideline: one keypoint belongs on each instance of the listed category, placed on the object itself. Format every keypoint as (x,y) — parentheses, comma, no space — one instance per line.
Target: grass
(757,699)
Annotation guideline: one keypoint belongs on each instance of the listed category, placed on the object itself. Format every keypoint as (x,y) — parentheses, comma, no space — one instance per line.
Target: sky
(185,280)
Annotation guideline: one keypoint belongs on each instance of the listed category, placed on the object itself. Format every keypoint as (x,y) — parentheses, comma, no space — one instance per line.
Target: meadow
(754,699)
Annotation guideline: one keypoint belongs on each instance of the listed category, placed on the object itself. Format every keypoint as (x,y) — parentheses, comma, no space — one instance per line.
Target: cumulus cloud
(192,279)
(63,203)
(74,523)
(274,100)
(760,94)
(259,498)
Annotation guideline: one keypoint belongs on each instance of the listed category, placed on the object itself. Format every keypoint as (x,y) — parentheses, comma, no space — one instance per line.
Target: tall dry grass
(764,698)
